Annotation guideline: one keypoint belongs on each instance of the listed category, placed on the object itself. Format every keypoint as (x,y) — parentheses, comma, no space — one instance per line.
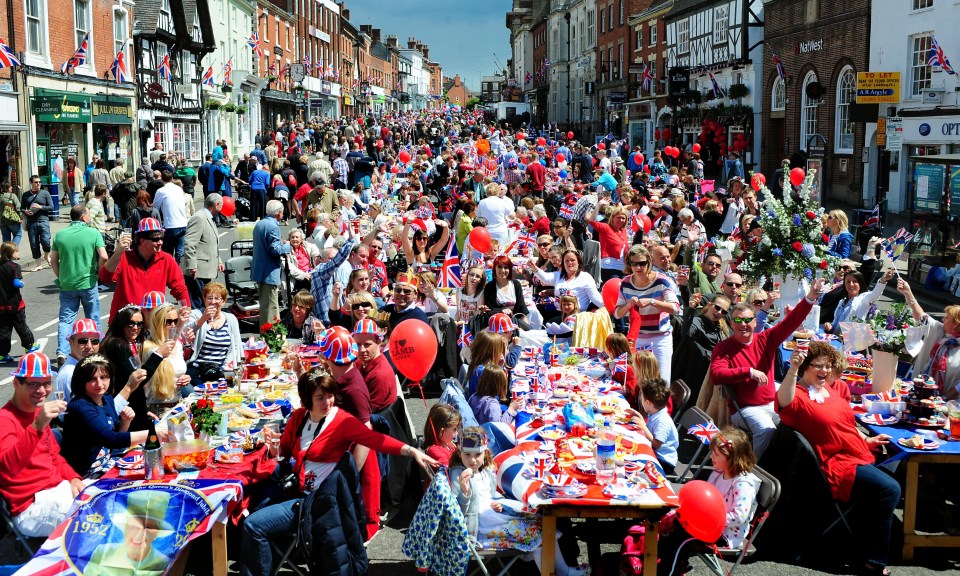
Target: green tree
(472,103)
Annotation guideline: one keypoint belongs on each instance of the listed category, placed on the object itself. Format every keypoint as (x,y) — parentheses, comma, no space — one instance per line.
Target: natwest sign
(808,46)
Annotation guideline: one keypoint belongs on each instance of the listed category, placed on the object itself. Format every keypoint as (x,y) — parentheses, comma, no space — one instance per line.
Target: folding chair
(842,511)
(681,395)
(731,397)
(691,469)
(289,553)
(767,497)
(22,541)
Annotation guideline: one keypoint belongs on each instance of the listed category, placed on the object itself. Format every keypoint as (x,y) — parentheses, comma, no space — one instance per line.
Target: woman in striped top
(646,295)
(218,334)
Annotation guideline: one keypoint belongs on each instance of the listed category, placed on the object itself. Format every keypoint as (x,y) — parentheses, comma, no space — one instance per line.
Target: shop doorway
(10,160)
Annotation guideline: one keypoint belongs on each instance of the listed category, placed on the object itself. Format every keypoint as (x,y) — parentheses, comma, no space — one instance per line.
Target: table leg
(180,564)
(650,548)
(218,542)
(548,558)
(910,507)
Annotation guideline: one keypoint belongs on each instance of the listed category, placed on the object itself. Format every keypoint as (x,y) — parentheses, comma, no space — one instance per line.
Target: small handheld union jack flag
(896,244)
(527,240)
(450,272)
(255,45)
(164,70)
(79,57)
(620,364)
(873,220)
(466,337)
(705,432)
(207,79)
(938,58)
(566,211)
(7,57)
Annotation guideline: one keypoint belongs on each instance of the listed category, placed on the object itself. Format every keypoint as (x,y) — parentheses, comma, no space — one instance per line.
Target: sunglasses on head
(85,341)
(743,320)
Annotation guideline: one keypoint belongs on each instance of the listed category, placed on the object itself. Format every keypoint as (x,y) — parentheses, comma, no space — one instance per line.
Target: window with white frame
(610,17)
(591,34)
(808,111)
(920,73)
(921,4)
(266,27)
(846,93)
(276,30)
(82,25)
(639,37)
(721,21)
(35,12)
(603,19)
(653,34)
(160,135)
(179,140)
(621,12)
(778,96)
(288,35)
(120,33)
(683,36)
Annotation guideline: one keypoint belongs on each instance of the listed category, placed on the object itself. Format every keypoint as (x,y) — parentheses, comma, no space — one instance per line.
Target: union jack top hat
(501,324)
(84,326)
(367,326)
(33,365)
(153,299)
(338,347)
(149,225)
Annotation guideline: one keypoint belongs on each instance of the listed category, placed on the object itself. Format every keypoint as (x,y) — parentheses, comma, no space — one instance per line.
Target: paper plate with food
(238,423)
(918,442)
(610,404)
(551,434)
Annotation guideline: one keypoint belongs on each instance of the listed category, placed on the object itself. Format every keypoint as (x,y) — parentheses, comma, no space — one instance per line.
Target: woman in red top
(613,240)
(818,406)
(316,437)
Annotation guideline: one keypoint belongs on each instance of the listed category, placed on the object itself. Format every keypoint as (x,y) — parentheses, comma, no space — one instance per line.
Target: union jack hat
(84,326)
(338,347)
(33,365)
(367,326)
(153,299)
(501,324)
(149,225)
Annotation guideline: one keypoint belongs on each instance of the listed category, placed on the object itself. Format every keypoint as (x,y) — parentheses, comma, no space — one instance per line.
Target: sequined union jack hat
(367,326)
(338,346)
(148,225)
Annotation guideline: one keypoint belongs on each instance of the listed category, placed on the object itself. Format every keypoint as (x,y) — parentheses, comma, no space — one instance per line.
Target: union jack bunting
(79,57)
(705,432)
(874,219)
(255,45)
(450,272)
(119,68)
(207,79)
(779,67)
(620,364)
(329,72)
(465,338)
(306,60)
(717,91)
(646,78)
(938,58)
(227,72)
(164,70)
(319,64)
(7,57)
(272,67)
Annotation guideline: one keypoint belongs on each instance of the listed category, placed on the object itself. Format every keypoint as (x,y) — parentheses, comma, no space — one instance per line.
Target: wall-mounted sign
(810,46)
(894,131)
(154,91)
(878,87)
(679,83)
(64,108)
(278,50)
(112,110)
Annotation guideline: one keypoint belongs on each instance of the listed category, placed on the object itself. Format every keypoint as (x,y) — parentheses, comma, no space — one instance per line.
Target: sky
(469,38)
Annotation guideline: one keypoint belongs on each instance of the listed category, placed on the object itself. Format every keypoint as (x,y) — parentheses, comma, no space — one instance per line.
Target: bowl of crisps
(551,435)
(238,423)
(185,456)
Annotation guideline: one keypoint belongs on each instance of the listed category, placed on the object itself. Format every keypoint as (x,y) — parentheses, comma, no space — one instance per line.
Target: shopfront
(916,137)
(62,120)
(113,130)
(12,139)
(276,107)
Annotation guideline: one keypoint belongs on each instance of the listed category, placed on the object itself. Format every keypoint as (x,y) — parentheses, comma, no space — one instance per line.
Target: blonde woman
(162,388)
(430,298)
(841,240)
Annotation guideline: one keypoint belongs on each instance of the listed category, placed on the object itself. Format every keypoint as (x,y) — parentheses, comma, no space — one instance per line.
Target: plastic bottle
(606,452)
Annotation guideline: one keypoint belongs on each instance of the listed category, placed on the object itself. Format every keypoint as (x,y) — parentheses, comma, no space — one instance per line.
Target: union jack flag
(272,67)
(717,91)
(566,211)
(319,64)
(546,64)
(779,67)
(705,432)
(330,70)
(79,57)
(164,70)
(7,58)
(119,68)
(527,78)
(896,244)
(466,337)
(207,79)
(254,43)
(133,462)
(646,78)
(874,219)
(620,364)
(938,58)
(306,60)
(450,272)
(227,71)
(527,240)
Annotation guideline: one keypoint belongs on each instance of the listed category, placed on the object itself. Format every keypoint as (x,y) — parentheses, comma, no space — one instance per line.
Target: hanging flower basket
(241,110)
(226,88)
(214,105)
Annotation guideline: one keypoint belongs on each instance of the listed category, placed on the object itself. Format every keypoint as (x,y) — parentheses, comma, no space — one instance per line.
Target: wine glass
(59,396)
(273,438)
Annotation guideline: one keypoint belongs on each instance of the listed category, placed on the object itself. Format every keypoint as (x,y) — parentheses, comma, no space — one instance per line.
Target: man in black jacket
(124,195)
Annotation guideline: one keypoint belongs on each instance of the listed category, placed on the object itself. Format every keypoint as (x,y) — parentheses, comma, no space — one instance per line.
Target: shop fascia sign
(808,46)
(65,108)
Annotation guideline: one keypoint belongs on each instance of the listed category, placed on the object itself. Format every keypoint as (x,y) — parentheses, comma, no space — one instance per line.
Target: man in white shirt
(498,211)
(604,162)
(170,206)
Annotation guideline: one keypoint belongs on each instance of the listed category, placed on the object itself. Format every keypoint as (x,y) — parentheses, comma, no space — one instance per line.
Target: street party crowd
(504,243)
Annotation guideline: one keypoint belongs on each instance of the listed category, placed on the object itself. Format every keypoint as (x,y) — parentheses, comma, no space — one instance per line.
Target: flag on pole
(7,57)
(895,245)
(450,271)
(255,45)
(207,79)
(620,364)
(319,65)
(705,432)
(938,58)
(79,57)
(779,66)
(306,61)
(873,221)
(329,73)
(164,70)
(119,66)
(717,91)
(646,78)
(465,338)
(227,72)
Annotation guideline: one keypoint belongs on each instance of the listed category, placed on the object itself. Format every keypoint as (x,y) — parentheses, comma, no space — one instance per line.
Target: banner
(133,528)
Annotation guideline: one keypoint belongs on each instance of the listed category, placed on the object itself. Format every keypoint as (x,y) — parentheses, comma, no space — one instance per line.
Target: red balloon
(480,239)
(404,156)
(412,346)
(638,159)
(702,512)
(561,157)
(521,136)
(229,206)
(541,141)
(796,176)
(470,122)
(674,151)
(758,181)
(696,148)
(645,220)
(569,135)
(611,293)
(656,134)
(667,133)
(602,146)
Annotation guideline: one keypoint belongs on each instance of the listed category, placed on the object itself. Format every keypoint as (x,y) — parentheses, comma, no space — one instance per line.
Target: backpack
(292,180)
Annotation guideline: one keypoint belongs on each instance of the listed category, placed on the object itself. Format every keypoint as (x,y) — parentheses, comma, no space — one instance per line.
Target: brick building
(276,27)
(540,82)
(821,46)
(318,31)
(457,93)
(647,101)
(615,44)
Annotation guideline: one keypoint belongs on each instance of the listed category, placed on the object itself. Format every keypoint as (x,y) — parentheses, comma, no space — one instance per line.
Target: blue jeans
(877,495)
(12,233)
(173,242)
(269,522)
(39,235)
(70,302)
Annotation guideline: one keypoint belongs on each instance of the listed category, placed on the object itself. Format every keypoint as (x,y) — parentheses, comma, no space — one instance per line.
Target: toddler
(13,313)
(440,432)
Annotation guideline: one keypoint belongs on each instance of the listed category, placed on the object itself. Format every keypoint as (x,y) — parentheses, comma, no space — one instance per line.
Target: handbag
(10,215)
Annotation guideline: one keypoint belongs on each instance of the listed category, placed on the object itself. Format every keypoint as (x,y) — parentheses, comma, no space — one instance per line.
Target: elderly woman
(857,303)
(613,239)
(299,319)
(841,240)
(702,332)
(217,343)
(571,279)
(499,212)
(939,358)
(541,222)
(816,402)
(301,259)
(316,437)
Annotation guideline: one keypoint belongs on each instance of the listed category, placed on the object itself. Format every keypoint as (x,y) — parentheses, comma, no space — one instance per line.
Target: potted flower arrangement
(274,334)
(204,420)
(891,329)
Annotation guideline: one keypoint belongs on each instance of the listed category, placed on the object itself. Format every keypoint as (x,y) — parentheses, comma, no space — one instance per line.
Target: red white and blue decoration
(153,299)
(938,58)
(8,58)
(255,45)
(338,347)
(33,365)
(119,68)
(704,432)
(450,271)
(149,225)
(207,79)
(164,70)
(79,57)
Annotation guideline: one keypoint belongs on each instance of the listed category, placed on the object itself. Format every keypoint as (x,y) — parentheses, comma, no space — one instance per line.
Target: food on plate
(248,412)
(237,422)
(803,335)
(572,360)
(552,434)
(232,398)
(607,405)
(275,395)
(915,441)
(561,393)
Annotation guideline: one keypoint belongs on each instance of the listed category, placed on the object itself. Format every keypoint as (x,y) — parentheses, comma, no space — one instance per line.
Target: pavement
(384,553)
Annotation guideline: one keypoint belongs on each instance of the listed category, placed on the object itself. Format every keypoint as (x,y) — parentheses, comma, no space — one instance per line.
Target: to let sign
(878,87)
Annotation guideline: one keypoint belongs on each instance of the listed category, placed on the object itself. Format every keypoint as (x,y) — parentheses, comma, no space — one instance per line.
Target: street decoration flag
(255,45)
(119,67)
(8,58)
(779,67)
(938,58)
(874,219)
(646,78)
(227,72)
(329,69)
(207,79)
(527,78)
(319,65)
(306,61)
(450,272)
(717,91)
(79,57)
(164,70)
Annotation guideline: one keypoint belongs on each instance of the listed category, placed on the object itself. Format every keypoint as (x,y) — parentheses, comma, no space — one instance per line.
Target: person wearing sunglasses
(170,382)
(404,304)
(744,363)
(701,333)
(703,277)
(761,301)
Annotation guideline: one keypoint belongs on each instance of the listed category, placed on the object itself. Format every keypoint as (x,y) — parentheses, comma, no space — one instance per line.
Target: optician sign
(931,130)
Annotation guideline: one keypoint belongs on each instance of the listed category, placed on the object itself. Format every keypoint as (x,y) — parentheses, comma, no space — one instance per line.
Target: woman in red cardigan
(316,437)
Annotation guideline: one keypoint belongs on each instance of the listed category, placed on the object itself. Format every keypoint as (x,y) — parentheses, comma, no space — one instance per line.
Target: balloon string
(433,428)
(677,555)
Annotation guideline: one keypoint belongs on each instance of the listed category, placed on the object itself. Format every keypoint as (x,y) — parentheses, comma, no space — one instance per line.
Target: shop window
(36,16)
(778,96)
(160,135)
(919,69)
(846,93)
(808,111)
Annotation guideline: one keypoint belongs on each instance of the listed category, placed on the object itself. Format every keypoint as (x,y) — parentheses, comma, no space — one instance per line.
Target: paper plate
(928,444)
(878,419)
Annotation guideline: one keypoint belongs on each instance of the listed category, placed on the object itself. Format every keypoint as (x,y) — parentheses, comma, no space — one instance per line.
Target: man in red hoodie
(744,362)
(35,480)
(537,174)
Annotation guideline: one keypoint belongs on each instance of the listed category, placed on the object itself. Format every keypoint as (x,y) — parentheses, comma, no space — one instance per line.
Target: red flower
(826,239)
(266,327)
(823,264)
(811,215)
(798,246)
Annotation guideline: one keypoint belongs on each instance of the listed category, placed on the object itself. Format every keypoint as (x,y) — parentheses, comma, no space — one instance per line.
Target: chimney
(376,35)
(426,51)
(345,14)
(411,43)
(366,29)
(392,41)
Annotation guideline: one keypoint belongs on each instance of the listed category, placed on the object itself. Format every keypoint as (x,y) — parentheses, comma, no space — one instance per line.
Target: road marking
(47,325)
(40,344)
(222,234)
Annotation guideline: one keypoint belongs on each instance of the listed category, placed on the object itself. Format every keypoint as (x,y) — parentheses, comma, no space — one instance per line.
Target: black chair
(691,467)
(236,274)
(681,396)
(23,542)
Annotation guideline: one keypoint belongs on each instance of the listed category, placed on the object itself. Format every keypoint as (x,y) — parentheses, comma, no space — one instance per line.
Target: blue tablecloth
(905,431)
